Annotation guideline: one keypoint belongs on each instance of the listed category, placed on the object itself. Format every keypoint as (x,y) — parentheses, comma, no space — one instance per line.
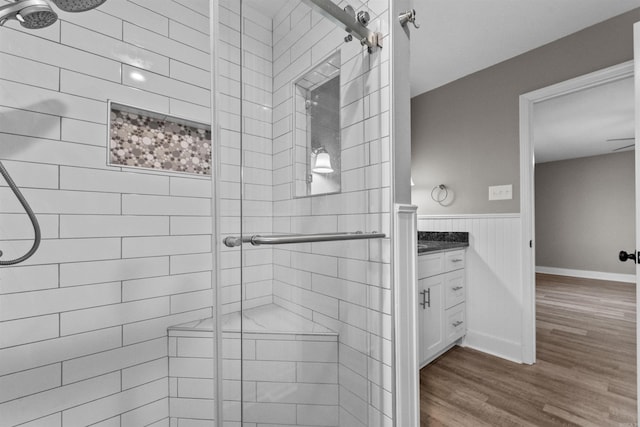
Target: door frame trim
(527,191)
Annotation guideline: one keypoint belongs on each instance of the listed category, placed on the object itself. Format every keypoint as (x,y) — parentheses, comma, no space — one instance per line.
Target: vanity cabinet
(441,299)
(431,316)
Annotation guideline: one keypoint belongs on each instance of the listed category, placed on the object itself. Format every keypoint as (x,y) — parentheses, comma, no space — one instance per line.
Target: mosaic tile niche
(144,139)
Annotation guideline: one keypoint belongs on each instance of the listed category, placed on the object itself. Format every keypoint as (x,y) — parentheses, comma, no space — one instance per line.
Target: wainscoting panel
(494,290)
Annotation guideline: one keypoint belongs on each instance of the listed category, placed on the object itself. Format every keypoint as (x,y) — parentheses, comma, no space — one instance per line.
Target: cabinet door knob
(457,260)
(457,288)
(457,323)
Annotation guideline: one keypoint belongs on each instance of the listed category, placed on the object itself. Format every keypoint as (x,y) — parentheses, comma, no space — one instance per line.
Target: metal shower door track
(333,12)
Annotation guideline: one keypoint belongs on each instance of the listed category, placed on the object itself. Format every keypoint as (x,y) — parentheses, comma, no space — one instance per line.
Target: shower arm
(330,10)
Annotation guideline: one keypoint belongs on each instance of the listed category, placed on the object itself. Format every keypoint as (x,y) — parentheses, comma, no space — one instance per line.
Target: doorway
(584,182)
(528,102)
(531,104)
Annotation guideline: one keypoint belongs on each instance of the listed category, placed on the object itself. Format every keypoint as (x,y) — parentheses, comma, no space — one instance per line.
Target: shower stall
(214,183)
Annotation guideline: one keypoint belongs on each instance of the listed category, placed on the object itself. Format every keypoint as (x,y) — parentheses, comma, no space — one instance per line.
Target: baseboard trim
(495,346)
(586,274)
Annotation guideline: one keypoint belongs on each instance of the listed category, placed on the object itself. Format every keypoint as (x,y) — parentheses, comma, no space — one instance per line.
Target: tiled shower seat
(290,370)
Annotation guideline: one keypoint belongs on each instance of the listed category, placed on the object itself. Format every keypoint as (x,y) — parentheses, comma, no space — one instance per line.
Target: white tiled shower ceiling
(124,254)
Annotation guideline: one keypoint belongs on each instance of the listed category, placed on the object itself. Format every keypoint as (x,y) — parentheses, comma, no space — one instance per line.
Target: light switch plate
(501,192)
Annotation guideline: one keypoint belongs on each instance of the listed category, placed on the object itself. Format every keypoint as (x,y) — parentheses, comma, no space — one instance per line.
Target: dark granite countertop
(430,241)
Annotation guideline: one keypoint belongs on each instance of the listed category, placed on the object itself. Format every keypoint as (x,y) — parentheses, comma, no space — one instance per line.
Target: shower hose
(32,217)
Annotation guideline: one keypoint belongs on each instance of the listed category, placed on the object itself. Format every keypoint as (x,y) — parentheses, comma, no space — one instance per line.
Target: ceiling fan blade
(622,148)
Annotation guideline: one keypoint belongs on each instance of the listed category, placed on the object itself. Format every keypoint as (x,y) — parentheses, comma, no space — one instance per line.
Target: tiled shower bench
(289,370)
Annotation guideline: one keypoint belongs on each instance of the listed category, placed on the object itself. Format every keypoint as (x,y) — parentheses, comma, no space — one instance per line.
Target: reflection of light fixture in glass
(323,161)
(412,183)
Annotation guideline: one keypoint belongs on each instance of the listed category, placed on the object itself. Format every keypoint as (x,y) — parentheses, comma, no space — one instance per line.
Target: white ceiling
(579,124)
(460,37)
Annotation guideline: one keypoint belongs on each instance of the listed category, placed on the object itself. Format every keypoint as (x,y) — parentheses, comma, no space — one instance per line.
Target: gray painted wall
(466,134)
(585,212)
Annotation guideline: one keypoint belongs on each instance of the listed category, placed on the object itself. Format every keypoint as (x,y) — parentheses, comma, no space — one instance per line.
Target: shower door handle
(232,241)
(283,239)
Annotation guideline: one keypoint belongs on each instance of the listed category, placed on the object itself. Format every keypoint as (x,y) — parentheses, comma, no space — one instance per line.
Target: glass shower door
(307,312)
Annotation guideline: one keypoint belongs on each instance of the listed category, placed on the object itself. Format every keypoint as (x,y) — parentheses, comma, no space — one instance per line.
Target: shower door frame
(214,6)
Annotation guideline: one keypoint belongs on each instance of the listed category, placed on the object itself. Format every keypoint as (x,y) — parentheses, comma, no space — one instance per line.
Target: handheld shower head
(36,17)
(77,5)
(32,14)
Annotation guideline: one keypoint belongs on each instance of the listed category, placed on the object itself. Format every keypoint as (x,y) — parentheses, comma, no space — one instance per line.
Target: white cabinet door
(431,309)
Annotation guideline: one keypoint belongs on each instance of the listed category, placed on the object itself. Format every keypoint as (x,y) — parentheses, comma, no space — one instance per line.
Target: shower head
(32,14)
(77,5)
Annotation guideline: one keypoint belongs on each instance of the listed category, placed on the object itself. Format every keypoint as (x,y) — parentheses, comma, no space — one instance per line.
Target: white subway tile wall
(83,324)
(343,286)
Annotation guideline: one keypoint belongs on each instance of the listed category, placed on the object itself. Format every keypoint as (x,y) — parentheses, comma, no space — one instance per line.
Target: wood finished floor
(585,373)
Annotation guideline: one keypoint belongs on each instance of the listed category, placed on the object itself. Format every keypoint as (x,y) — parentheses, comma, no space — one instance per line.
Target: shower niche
(146,139)
(317,147)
